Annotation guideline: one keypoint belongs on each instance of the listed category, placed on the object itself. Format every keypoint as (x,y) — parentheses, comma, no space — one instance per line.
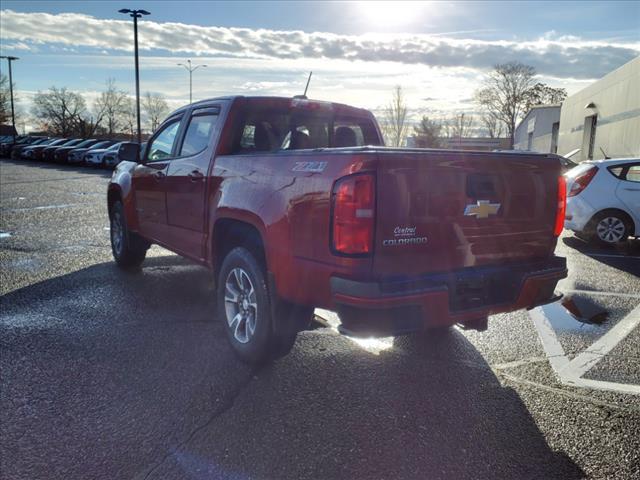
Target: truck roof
(259,98)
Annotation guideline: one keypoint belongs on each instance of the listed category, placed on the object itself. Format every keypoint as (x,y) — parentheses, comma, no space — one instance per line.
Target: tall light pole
(13,112)
(136,14)
(191,69)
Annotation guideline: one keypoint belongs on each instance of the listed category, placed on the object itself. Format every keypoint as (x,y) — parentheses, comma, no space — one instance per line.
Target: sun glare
(390,14)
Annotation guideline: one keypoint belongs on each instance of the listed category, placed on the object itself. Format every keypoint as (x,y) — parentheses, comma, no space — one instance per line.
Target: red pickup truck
(295,204)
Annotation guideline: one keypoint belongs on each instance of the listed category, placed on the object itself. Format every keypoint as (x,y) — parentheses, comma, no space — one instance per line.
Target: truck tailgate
(439,211)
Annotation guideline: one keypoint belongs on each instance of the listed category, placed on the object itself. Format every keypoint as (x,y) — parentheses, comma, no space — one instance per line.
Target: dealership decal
(404,236)
(315,167)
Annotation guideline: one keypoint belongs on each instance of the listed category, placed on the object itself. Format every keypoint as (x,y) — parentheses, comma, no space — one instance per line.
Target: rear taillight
(353,206)
(582,180)
(562,206)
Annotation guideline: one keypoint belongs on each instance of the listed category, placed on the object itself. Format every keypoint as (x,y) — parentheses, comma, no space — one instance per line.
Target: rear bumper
(578,214)
(402,306)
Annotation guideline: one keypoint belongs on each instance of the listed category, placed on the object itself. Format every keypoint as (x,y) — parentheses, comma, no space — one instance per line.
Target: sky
(439,52)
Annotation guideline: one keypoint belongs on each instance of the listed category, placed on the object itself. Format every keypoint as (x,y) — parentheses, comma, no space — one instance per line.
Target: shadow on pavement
(114,375)
(616,257)
(427,408)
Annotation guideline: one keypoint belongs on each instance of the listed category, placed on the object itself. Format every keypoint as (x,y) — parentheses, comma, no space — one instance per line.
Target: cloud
(551,54)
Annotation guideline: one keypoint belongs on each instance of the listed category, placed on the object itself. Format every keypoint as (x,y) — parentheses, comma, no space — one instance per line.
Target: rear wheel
(260,327)
(610,228)
(129,249)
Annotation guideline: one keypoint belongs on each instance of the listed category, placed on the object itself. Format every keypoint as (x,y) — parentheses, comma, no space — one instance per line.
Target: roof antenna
(304,95)
(305,88)
(605,155)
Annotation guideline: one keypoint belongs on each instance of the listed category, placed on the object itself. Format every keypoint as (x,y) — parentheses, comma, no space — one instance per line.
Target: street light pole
(191,69)
(13,112)
(136,14)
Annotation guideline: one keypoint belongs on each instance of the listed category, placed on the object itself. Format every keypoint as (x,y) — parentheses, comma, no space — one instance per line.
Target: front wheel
(129,250)
(257,323)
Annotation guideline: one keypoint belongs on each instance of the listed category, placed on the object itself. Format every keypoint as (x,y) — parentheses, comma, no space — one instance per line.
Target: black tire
(260,328)
(128,248)
(610,228)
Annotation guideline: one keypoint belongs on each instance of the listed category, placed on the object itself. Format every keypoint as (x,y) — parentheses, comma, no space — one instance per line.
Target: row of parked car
(93,152)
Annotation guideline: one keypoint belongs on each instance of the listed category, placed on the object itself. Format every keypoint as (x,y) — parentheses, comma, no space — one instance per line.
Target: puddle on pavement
(576,314)
(584,310)
(375,345)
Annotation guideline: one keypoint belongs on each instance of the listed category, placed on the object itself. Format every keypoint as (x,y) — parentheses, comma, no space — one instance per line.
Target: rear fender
(244,216)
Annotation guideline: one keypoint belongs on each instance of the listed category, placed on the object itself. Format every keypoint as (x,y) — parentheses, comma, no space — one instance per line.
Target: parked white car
(95,158)
(603,200)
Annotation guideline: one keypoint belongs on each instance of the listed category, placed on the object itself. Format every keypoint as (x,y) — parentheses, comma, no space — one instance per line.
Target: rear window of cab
(284,129)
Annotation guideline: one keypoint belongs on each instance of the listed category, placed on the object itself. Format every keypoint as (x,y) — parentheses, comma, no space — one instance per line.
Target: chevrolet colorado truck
(295,204)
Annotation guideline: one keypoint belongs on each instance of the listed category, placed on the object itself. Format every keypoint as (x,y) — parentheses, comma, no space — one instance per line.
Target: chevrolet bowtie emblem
(482,209)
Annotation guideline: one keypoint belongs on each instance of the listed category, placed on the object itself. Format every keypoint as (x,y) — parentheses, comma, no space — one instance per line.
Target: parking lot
(106,374)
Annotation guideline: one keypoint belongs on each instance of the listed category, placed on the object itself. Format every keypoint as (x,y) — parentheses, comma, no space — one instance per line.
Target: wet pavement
(108,375)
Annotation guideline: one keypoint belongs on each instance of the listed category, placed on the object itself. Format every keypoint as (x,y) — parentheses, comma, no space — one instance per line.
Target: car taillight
(582,180)
(353,209)
(562,206)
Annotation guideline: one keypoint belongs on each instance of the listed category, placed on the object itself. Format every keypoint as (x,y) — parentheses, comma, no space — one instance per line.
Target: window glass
(162,144)
(198,134)
(85,143)
(616,171)
(633,174)
(264,130)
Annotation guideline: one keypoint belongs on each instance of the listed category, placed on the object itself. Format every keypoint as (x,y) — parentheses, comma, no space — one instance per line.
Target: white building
(604,117)
(538,130)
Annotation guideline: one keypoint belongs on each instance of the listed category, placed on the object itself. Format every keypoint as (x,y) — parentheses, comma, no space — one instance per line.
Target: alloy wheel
(610,229)
(240,305)
(117,232)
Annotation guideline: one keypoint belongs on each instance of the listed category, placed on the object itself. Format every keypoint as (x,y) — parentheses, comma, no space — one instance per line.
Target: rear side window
(162,144)
(616,171)
(633,174)
(199,132)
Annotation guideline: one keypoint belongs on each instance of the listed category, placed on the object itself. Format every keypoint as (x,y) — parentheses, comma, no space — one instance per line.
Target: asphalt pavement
(113,375)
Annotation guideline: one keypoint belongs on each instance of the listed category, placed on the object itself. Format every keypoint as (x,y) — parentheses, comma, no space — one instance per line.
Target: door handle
(196,175)
(632,189)
(159,175)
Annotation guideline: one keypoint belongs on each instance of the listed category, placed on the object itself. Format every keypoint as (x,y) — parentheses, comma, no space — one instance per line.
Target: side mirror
(129,152)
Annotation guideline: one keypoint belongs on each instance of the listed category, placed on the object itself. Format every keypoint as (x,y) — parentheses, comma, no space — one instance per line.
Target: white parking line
(608,255)
(592,355)
(609,294)
(44,207)
(570,372)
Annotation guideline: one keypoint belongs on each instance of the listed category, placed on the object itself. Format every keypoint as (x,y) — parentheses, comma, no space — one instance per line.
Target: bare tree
(505,93)
(5,100)
(156,108)
(395,114)
(460,125)
(5,103)
(427,133)
(60,111)
(492,125)
(129,118)
(110,108)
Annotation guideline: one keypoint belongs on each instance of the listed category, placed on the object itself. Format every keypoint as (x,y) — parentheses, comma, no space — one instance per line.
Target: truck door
(149,181)
(186,181)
